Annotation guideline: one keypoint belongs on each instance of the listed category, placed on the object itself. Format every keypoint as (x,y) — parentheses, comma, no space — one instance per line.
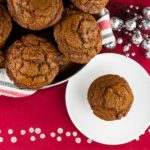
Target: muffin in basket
(90,6)
(78,36)
(35,14)
(2,60)
(5,25)
(31,62)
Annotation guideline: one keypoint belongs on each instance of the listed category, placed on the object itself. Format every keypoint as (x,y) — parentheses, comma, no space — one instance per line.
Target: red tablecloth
(46,110)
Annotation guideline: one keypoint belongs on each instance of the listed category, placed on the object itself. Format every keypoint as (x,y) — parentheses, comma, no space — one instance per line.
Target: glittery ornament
(146,12)
(130,25)
(137,7)
(137,31)
(129,44)
(126,48)
(147,54)
(146,44)
(127,55)
(119,40)
(146,24)
(135,18)
(140,26)
(146,35)
(110,45)
(116,23)
(135,14)
(131,6)
(139,17)
(133,54)
(130,34)
(137,38)
(128,10)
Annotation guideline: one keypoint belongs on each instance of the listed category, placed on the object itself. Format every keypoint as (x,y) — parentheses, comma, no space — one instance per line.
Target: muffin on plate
(90,6)
(35,14)
(78,37)
(5,25)
(110,97)
(31,62)
(2,60)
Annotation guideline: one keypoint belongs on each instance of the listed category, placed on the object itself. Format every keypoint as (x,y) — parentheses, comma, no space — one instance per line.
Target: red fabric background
(46,110)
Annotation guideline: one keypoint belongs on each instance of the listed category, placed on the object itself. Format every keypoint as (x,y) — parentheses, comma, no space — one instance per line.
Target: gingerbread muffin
(90,6)
(78,37)
(31,62)
(35,14)
(2,60)
(110,97)
(5,25)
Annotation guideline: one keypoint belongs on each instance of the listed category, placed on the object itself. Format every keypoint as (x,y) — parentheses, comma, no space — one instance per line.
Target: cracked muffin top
(31,62)
(35,14)
(5,25)
(78,37)
(2,60)
(90,6)
(110,97)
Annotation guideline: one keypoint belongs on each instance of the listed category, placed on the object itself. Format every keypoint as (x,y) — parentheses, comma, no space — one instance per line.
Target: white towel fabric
(7,87)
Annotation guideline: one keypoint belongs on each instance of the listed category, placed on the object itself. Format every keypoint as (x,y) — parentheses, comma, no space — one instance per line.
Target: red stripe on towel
(13,93)
(104,24)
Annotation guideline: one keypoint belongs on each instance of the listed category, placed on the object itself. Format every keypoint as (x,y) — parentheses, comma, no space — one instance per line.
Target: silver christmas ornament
(129,44)
(139,17)
(127,55)
(135,14)
(137,31)
(131,6)
(111,45)
(146,23)
(135,18)
(130,24)
(126,48)
(130,34)
(140,26)
(147,54)
(119,40)
(137,7)
(146,44)
(146,12)
(146,35)
(137,38)
(133,54)
(116,23)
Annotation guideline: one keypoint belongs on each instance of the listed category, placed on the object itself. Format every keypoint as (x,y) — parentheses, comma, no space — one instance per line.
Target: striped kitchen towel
(7,87)
(105,26)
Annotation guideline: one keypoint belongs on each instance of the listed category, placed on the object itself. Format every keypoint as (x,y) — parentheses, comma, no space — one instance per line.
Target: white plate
(110,132)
